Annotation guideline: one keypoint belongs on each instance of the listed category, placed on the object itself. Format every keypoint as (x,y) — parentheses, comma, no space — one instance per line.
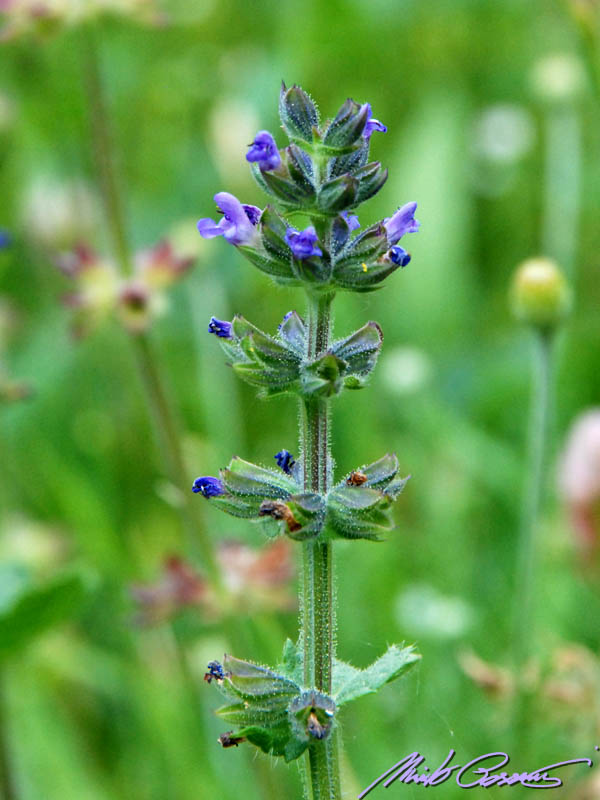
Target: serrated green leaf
(350,682)
(292,665)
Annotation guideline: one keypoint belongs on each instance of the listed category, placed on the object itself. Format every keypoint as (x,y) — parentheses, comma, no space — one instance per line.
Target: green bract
(278,364)
(272,710)
(350,510)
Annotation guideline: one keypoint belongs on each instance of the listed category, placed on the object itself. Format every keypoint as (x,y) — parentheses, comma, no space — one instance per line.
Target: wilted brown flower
(493,679)
(252,579)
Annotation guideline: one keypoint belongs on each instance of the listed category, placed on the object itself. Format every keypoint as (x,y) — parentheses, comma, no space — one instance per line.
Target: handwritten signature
(481,771)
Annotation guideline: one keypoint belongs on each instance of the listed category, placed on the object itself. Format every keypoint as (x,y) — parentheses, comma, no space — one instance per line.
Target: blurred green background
(493,129)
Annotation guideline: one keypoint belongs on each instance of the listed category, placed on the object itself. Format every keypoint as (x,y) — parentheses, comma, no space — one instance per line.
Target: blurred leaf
(34,610)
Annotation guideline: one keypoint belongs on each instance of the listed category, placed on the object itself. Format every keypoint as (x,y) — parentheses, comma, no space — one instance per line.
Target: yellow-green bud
(540,295)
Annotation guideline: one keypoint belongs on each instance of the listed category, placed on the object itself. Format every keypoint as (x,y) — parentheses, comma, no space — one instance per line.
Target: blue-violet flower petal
(285,461)
(220,328)
(208,486)
(351,219)
(372,124)
(399,256)
(238,223)
(264,152)
(303,244)
(403,221)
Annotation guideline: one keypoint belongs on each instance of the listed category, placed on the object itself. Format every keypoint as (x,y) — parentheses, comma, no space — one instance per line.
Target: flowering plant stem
(523,612)
(317,610)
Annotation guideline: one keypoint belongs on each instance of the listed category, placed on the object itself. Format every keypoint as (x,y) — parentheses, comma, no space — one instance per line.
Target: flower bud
(298,113)
(540,295)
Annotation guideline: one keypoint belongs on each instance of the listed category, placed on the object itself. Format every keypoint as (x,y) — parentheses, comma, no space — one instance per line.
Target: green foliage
(27,610)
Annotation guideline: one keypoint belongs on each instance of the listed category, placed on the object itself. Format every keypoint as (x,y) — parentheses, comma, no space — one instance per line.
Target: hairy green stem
(318,612)
(525,586)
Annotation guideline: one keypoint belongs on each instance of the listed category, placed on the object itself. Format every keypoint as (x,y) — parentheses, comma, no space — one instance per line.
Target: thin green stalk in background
(562,186)
(154,390)
(7,785)
(317,610)
(524,617)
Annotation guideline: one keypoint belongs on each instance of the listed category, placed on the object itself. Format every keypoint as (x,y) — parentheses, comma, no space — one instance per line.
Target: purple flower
(399,256)
(285,461)
(351,219)
(303,244)
(264,152)
(372,124)
(220,328)
(208,486)
(238,223)
(5,239)
(402,222)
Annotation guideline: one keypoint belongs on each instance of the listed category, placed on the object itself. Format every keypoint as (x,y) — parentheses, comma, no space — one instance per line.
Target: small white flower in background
(503,133)
(558,78)
(59,214)
(405,370)
(232,126)
(423,611)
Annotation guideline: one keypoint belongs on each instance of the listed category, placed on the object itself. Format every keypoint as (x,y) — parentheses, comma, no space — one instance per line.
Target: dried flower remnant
(229,740)
(179,587)
(254,578)
(579,479)
(494,680)
(572,681)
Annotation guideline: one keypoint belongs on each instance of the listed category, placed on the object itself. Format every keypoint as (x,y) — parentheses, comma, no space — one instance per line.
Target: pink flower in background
(579,478)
